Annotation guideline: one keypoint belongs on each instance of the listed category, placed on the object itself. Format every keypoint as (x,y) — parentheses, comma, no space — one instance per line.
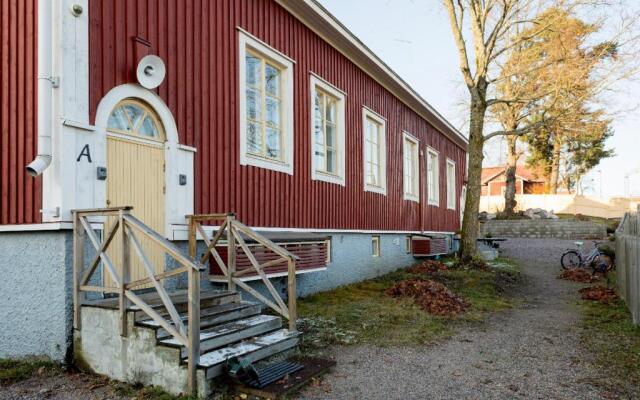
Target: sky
(414,38)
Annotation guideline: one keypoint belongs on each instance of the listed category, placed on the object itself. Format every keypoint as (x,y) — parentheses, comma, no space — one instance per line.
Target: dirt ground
(530,352)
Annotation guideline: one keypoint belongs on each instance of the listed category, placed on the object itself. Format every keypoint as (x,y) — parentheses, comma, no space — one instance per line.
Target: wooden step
(210,316)
(225,334)
(178,297)
(259,348)
(207,300)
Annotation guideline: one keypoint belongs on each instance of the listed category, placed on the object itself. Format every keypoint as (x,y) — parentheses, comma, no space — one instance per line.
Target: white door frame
(178,157)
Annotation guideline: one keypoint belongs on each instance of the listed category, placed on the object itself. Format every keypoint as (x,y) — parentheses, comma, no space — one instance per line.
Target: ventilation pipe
(46,83)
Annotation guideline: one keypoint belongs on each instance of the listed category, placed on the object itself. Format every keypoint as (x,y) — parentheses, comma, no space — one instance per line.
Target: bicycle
(594,259)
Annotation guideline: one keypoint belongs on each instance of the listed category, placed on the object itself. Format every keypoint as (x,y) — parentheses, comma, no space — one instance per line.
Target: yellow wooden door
(136,178)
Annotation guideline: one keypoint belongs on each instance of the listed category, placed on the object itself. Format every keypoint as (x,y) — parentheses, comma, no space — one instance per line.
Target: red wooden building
(270,109)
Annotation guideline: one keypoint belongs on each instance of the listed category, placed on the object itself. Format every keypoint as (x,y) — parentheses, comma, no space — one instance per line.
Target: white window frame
(415,173)
(339,176)
(382,144)
(436,200)
(256,46)
(451,185)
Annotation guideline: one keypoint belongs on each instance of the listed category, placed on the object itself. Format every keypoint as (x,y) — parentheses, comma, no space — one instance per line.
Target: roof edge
(330,29)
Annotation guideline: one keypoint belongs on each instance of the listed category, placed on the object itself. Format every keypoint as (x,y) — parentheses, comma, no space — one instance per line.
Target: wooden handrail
(234,231)
(130,226)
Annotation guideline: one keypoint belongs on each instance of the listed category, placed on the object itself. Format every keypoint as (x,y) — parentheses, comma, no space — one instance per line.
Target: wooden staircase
(179,340)
(230,327)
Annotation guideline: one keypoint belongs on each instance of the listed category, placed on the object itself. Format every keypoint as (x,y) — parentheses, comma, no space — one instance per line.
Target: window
(407,243)
(375,246)
(266,106)
(410,168)
(375,149)
(451,185)
(132,117)
(433,172)
(327,132)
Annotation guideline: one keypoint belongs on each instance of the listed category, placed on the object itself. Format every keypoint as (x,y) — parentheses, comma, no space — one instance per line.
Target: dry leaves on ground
(428,267)
(578,275)
(598,293)
(431,296)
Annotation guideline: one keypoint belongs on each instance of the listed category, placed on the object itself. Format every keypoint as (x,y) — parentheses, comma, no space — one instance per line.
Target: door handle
(108,202)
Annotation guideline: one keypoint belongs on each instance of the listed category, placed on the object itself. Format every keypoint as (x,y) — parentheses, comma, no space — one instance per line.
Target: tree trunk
(555,167)
(510,175)
(478,110)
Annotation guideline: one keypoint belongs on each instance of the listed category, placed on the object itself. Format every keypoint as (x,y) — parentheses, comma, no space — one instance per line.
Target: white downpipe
(45,88)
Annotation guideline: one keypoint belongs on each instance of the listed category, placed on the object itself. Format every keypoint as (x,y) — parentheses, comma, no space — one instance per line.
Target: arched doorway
(135,147)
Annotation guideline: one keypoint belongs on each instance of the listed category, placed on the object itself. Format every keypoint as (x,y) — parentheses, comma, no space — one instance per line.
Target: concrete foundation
(35,294)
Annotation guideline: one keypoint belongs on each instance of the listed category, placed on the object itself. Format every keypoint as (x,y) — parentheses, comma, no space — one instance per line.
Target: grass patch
(12,371)
(615,342)
(362,314)
(140,392)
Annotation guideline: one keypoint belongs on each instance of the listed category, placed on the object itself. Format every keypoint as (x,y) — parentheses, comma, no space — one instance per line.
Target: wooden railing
(121,219)
(230,233)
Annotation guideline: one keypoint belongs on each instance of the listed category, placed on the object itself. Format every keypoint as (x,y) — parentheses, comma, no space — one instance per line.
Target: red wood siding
(20,194)
(199,43)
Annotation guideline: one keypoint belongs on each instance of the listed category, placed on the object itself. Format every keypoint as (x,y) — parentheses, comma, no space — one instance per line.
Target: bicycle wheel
(571,259)
(602,263)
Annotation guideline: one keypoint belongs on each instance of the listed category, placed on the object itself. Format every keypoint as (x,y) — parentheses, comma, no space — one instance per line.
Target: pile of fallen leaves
(471,263)
(431,296)
(602,294)
(428,267)
(578,275)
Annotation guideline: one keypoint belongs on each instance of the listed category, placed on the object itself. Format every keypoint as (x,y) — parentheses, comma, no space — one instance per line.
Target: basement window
(375,246)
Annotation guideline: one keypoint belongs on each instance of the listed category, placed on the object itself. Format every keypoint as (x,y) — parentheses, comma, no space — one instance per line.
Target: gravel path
(529,352)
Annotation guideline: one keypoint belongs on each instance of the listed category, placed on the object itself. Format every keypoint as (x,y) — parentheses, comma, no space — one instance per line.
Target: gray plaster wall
(544,228)
(35,294)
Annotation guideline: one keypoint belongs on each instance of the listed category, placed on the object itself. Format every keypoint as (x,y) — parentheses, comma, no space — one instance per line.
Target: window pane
(331,110)
(148,128)
(331,133)
(254,70)
(272,80)
(318,135)
(118,120)
(135,114)
(331,161)
(272,108)
(320,157)
(254,138)
(317,106)
(254,105)
(273,143)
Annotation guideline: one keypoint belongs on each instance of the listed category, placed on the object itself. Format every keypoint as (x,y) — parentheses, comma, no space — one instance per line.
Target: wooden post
(231,253)
(78,265)
(123,302)
(291,283)
(193,329)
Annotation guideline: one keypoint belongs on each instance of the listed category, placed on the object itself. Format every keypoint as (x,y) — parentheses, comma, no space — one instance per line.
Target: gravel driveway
(529,352)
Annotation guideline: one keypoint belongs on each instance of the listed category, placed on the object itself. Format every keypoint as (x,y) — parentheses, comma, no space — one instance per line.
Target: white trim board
(179,232)
(212,278)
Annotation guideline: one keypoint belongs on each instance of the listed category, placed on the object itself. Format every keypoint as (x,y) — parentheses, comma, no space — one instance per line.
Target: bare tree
(493,28)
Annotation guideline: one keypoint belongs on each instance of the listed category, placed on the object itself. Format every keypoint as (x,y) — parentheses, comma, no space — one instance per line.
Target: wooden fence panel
(628,262)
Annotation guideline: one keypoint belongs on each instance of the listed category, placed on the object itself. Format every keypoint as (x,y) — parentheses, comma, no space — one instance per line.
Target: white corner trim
(246,40)
(416,166)
(368,113)
(436,201)
(339,178)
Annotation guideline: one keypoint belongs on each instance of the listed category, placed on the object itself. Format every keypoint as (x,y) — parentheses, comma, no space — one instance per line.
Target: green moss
(362,313)
(609,333)
(12,371)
